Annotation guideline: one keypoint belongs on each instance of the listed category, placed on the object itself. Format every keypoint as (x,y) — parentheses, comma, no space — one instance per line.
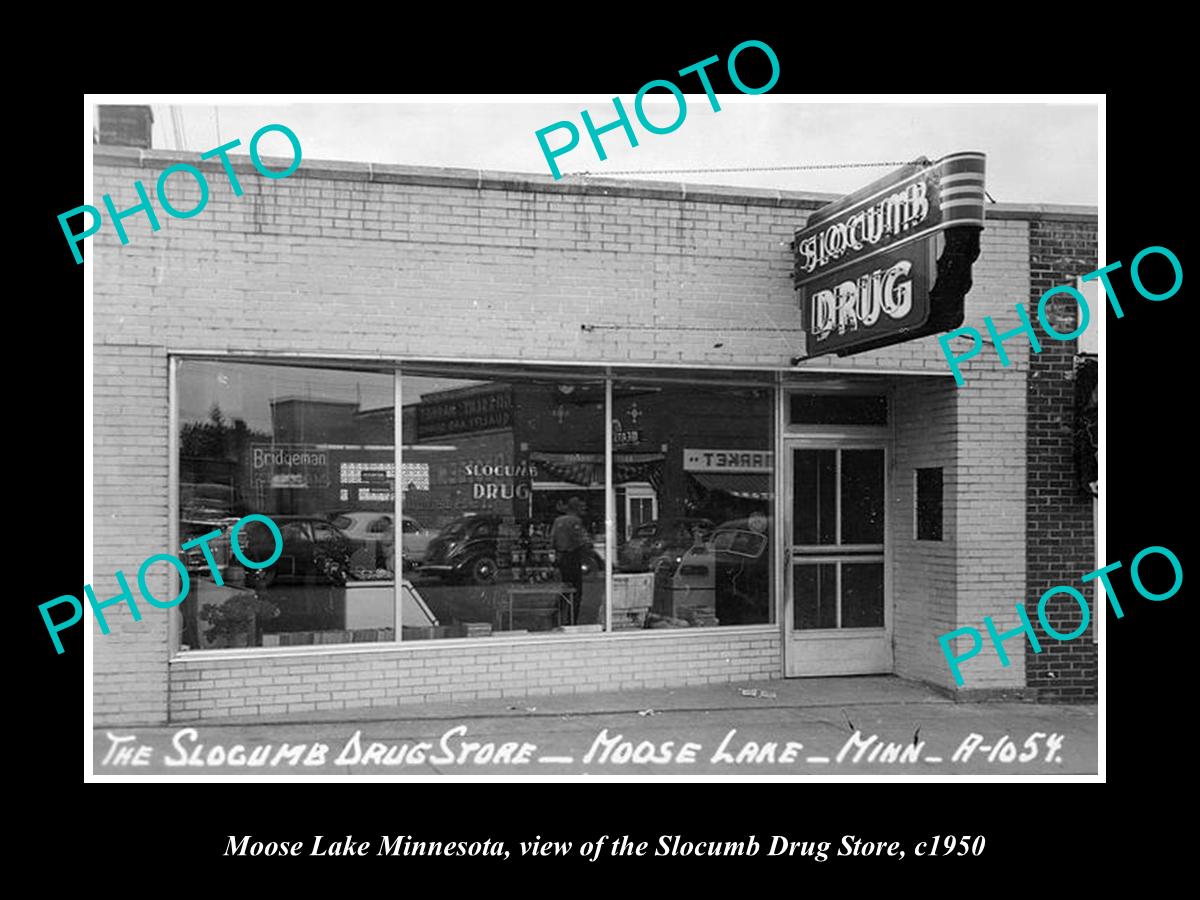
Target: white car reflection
(374,529)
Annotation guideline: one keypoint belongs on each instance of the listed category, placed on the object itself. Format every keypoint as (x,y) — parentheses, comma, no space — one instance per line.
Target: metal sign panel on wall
(892,261)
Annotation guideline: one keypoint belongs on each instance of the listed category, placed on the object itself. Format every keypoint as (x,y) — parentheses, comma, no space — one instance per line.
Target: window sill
(824,634)
(186,657)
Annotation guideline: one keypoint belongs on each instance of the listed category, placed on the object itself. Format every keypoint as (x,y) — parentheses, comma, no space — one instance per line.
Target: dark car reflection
(729,573)
(466,549)
(661,544)
(314,550)
(471,548)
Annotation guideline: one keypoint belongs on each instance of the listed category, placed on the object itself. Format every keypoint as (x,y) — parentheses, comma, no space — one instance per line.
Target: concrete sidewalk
(845,726)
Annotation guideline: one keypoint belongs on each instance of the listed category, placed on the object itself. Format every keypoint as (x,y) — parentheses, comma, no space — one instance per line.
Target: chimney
(125,126)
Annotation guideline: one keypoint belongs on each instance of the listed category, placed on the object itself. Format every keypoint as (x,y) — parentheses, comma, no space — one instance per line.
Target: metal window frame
(398,503)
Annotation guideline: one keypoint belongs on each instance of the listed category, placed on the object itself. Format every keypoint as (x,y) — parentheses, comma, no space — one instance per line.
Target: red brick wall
(1060,538)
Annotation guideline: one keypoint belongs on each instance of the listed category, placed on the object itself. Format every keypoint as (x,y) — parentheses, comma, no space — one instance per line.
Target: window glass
(846,591)
(312,449)
(324,532)
(291,531)
(814,497)
(512,500)
(507,483)
(699,457)
(815,598)
(837,409)
(929,504)
(862,497)
(862,595)
(380,525)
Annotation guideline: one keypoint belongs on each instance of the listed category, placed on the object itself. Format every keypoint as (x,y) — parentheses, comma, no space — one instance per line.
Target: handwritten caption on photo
(144,205)
(616,846)
(126,595)
(455,749)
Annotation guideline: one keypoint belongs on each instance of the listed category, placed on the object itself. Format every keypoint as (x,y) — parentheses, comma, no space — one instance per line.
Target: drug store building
(464,352)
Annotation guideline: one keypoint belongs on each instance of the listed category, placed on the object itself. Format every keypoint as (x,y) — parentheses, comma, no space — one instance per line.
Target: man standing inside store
(569,539)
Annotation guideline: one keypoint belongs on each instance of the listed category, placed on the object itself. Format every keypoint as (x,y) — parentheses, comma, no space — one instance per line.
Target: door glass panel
(838,505)
(862,595)
(815,586)
(814,496)
(862,497)
(841,409)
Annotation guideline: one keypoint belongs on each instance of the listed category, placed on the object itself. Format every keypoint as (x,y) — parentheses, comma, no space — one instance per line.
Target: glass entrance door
(839,617)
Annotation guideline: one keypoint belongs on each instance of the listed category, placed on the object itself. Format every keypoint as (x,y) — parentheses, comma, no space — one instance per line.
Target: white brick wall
(316,264)
(278,684)
(991,459)
(924,574)
(977,434)
(129,487)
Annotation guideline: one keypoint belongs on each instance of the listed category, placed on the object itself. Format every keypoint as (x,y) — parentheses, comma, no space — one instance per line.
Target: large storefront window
(504,482)
(693,475)
(506,485)
(312,449)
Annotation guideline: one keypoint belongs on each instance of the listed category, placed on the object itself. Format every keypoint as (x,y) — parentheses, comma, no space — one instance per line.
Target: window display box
(372,604)
(632,600)
(633,591)
(696,606)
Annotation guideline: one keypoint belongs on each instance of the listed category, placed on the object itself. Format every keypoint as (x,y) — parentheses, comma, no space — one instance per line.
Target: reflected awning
(588,468)
(748,485)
